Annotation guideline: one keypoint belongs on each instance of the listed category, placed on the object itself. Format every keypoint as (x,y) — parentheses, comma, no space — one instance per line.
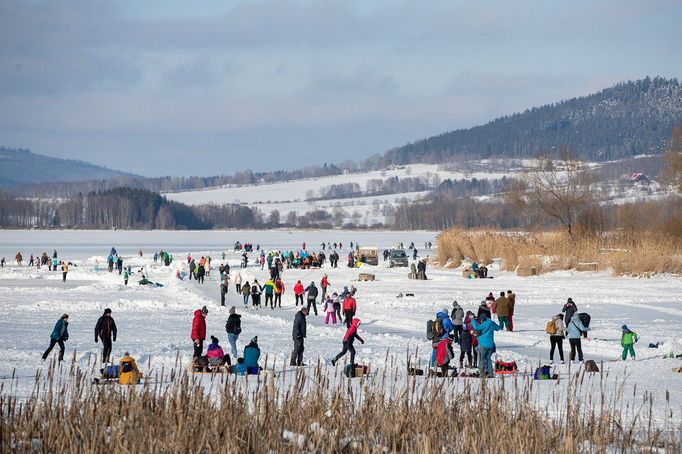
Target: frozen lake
(154,323)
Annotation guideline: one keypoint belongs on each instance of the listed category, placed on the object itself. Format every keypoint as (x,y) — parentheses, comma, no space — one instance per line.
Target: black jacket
(234,324)
(312,291)
(299,325)
(105,328)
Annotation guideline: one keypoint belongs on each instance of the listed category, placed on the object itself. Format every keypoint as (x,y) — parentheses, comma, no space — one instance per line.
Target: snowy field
(154,323)
(291,195)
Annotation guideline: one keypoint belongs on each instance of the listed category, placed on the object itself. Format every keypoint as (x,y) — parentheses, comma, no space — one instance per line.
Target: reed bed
(317,410)
(635,254)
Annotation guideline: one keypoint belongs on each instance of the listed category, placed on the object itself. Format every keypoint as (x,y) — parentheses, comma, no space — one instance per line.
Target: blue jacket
(251,355)
(574,328)
(487,328)
(448,327)
(61,330)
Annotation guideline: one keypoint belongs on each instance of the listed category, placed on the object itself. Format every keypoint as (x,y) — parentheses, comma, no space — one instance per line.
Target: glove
(362,342)
(95,339)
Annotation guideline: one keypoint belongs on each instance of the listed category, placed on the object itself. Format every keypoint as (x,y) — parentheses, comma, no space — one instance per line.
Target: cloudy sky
(208,87)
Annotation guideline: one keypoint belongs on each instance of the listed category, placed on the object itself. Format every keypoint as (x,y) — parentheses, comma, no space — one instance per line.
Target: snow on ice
(154,323)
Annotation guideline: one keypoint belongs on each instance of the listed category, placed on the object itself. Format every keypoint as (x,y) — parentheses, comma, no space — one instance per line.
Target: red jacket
(198,326)
(325,282)
(349,304)
(298,288)
(353,330)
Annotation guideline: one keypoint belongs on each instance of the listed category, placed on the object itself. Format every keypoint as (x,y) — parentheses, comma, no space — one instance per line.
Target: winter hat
(204,310)
(445,310)
(570,300)
(624,327)
(214,339)
(455,304)
(64,316)
(107,311)
(490,295)
(254,340)
(232,310)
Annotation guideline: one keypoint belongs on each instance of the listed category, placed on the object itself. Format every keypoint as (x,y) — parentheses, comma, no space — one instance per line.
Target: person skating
(486,343)
(233,326)
(575,328)
(256,291)
(556,337)
(279,291)
(60,334)
(457,316)
(348,339)
(298,334)
(199,330)
(223,289)
(246,292)
(329,311)
(238,281)
(502,308)
(126,275)
(337,306)
(627,341)
(511,296)
(484,309)
(298,292)
(105,329)
(312,296)
(349,309)
(269,290)
(467,343)
(65,270)
(324,283)
(569,309)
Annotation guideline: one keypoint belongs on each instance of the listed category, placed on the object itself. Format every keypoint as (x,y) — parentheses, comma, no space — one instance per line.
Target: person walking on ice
(105,329)
(60,334)
(233,326)
(348,339)
(628,340)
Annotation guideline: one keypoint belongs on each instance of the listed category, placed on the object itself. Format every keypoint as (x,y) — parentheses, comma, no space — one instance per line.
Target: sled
(356,370)
(366,277)
(505,368)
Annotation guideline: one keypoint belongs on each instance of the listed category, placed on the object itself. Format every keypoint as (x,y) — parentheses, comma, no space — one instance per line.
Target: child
(467,341)
(628,342)
(329,309)
(215,354)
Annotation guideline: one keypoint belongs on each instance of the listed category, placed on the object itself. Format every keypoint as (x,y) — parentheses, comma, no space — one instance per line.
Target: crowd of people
(472,331)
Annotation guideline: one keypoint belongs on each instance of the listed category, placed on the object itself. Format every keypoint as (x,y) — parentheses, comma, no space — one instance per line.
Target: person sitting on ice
(215,354)
(128,373)
(248,365)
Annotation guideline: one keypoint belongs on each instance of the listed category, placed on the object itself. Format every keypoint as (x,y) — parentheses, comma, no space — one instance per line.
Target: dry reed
(637,254)
(313,411)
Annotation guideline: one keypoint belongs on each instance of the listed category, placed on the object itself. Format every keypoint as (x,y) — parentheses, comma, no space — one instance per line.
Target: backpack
(551,328)
(429,330)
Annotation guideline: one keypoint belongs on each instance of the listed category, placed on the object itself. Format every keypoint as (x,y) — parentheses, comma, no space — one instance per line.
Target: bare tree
(673,160)
(554,189)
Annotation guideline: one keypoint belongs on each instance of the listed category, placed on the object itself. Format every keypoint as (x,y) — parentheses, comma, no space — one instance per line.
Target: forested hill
(18,166)
(628,119)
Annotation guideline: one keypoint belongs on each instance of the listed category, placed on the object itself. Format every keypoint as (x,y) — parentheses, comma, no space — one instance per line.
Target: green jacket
(629,338)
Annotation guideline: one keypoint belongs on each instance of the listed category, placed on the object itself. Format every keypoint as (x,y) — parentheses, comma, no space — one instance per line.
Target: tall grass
(314,411)
(633,253)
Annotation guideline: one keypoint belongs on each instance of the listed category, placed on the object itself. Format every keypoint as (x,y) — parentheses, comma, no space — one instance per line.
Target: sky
(212,87)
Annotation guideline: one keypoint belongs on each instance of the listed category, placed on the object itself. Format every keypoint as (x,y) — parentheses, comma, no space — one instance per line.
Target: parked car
(398,257)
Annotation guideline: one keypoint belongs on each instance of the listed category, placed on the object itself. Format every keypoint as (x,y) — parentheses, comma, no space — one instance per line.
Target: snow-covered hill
(294,196)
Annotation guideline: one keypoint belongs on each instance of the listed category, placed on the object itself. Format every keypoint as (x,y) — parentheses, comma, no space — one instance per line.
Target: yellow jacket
(128,373)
